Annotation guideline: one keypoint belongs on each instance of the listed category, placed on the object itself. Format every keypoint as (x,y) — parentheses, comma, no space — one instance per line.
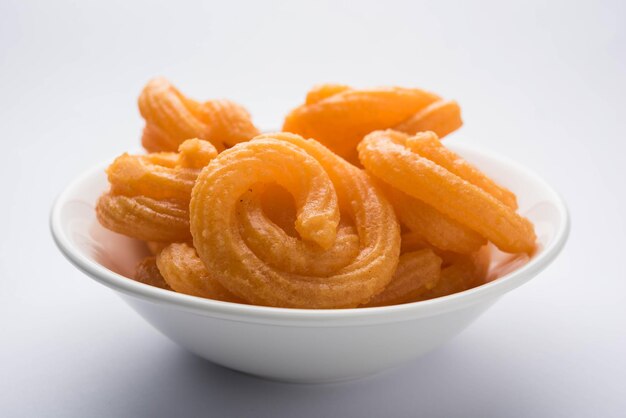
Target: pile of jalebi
(378,212)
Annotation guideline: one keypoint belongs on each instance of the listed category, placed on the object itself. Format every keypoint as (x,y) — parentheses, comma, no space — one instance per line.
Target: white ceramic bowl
(295,344)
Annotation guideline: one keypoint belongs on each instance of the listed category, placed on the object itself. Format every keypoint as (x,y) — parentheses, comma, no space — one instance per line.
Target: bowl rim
(315,317)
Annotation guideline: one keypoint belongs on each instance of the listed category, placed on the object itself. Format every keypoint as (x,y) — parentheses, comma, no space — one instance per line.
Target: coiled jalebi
(339,116)
(287,252)
(171,118)
(338,211)
(183,271)
(150,194)
(389,156)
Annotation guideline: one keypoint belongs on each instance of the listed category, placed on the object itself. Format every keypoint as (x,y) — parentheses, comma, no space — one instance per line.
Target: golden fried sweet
(152,176)
(147,272)
(339,116)
(427,145)
(144,218)
(385,154)
(293,255)
(150,194)
(334,202)
(323,91)
(183,271)
(171,118)
(279,220)
(464,272)
(417,273)
(412,241)
(432,226)
(442,117)
(194,154)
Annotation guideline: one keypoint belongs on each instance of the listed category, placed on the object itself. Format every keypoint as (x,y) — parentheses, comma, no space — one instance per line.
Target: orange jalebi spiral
(346,241)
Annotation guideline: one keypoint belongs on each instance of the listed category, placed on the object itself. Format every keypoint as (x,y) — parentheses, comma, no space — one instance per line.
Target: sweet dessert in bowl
(276,256)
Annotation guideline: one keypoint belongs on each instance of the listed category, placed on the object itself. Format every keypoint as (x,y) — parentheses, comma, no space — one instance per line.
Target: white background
(542,82)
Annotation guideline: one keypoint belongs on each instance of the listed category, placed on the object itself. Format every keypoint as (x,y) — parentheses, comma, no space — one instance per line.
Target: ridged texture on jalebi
(184,272)
(292,254)
(348,239)
(150,194)
(428,145)
(339,116)
(434,227)
(171,118)
(144,218)
(385,155)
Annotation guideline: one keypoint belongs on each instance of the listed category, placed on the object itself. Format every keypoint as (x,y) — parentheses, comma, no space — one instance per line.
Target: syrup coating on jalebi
(442,117)
(328,193)
(427,145)
(279,220)
(434,227)
(386,155)
(184,272)
(171,118)
(150,194)
(339,116)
